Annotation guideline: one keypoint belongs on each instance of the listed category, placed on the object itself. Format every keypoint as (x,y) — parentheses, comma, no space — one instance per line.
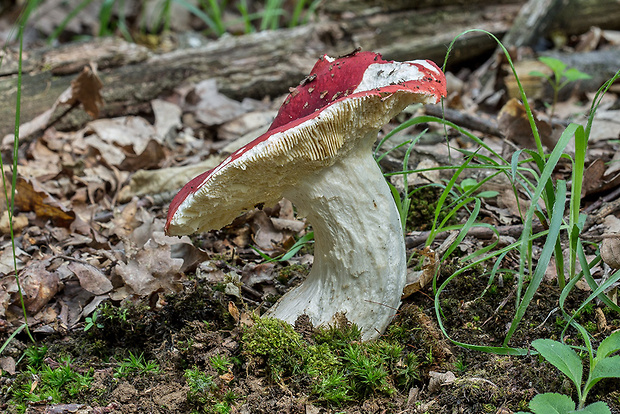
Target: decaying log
(261,64)
(255,65)
(538,18)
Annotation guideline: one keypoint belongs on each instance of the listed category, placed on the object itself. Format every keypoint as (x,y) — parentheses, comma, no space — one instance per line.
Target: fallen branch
(418,239)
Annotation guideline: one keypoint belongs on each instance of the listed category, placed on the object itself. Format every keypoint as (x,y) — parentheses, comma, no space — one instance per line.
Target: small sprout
(92,321)
(221,363)
(563,357)
(561,77)
(136,364)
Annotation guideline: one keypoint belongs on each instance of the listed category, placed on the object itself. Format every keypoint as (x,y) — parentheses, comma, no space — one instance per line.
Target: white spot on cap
(426,64)
(379,75)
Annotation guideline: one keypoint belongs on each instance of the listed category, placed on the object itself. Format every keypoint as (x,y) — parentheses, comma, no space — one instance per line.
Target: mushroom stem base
(359,265)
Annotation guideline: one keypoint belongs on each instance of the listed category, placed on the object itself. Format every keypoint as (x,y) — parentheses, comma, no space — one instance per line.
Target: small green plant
(136,364)
(199,383)
(307,238)
(367,371)
(333,389)
(407,371)
(460,365)
(562,76)
(91,321)
(207,394)
(276,342)
(35,355)
(221,363)
(564,358)
(41,382)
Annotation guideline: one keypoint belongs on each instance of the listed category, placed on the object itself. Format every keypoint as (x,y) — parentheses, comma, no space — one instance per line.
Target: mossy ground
(203,351)
(191,355)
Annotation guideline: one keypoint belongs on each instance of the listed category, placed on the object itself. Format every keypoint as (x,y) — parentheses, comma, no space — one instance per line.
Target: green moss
(277,343)
(336,365)
(320,360)
(338,335)
(287,273)
(42,382)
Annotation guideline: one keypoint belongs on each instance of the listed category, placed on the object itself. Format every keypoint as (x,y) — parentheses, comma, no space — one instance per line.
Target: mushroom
(318,154)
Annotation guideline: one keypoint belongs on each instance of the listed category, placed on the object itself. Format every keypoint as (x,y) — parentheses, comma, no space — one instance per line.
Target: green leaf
(555,64)
(608,346)
(551,403)
(487,194)
(606,368)
(573,74)
(468,184)
(562,357)
(539,74)
(595,408)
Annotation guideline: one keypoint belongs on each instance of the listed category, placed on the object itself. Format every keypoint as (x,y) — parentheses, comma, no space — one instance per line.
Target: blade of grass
(11,208)
(105,16)
(542,182)
(554,231)
(52,38)
(502,350)
(434,230)
(581,145)
(198,13)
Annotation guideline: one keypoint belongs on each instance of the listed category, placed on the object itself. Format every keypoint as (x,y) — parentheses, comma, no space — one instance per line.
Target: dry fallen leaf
(30,197)
(86,89)
(91,278)
(19,222)
(416,280)
(38,284)
(610,247)
(167,118)
(213,108)
(151,269)
(7,364)
(513,123)
(165,180)
(234,312)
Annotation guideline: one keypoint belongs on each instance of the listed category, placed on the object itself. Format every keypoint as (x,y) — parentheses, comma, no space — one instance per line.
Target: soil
(187,330)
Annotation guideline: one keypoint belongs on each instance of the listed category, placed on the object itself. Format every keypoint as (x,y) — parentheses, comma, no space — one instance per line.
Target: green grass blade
(74,12)
(442,199)
(554,231)
(542,182)
(468,225)
(12,336)
(105,16)
(581,145)
(200,14)
(609,345)
(437,290)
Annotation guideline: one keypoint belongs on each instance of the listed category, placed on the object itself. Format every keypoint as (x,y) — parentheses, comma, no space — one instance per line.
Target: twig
(417,239)
(465,120)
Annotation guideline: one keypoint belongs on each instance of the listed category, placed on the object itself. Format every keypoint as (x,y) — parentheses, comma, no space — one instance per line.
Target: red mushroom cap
(301,140)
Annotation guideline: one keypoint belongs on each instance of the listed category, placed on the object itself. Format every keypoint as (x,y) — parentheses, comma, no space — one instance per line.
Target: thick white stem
(359,254)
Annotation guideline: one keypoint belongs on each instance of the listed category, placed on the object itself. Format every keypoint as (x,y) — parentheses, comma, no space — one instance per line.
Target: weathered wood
(256,65)
(532,22)
(538,18)
(361,7)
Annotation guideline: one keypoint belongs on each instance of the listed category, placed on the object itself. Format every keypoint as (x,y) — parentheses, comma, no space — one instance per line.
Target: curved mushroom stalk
(359,264)
(318,154)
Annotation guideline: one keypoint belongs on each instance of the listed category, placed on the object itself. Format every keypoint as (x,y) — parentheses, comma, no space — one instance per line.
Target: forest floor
(128,320)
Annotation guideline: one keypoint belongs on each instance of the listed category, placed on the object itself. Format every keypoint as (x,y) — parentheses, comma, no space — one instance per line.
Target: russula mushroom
(318,154)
